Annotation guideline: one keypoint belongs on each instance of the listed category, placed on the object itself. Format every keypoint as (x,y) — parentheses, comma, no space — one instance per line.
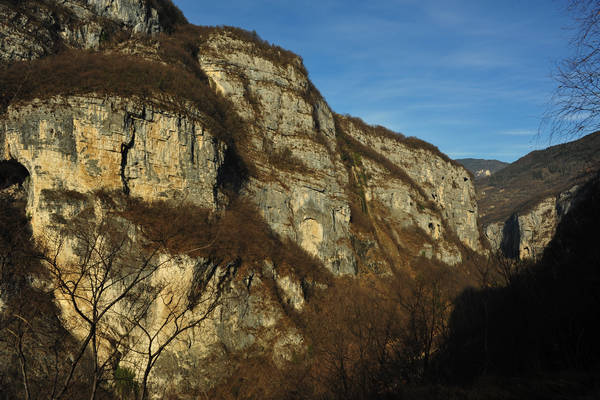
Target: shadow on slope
(545,320)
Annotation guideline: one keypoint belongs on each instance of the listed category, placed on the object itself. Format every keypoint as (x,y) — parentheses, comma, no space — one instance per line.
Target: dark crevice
(193,146)
(12,172)
(511,237)
(125,147)
(232,173)
(315,115)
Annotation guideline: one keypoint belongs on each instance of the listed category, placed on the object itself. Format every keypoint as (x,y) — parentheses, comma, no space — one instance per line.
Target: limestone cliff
(522,204)
(526,234)
(37,28)
(330,190)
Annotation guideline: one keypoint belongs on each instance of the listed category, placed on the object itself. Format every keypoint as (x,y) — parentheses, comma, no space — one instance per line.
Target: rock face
(37,28)
(76,143)
(353,198)
(308,202)
(521,204)
(526,234)
(136,14)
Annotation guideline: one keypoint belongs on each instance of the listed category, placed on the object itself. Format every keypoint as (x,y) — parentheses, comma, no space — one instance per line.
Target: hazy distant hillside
(536,175)
(480,167)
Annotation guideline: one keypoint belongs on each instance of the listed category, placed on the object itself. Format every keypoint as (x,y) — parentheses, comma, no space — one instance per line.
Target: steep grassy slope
(537,175)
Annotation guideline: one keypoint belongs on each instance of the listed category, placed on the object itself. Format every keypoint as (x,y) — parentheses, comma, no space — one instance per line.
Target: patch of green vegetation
(125,384)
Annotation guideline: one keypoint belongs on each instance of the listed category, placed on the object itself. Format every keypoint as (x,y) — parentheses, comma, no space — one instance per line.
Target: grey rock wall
(526,234)
(301,182)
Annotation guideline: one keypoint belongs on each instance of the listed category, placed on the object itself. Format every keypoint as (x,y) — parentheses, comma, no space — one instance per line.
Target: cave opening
(12,173)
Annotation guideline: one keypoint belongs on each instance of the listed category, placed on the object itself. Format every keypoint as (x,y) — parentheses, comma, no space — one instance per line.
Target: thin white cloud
(476,59)
(462,154)
(518,132)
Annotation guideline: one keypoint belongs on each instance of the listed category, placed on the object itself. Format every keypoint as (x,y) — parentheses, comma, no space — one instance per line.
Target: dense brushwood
(239,233)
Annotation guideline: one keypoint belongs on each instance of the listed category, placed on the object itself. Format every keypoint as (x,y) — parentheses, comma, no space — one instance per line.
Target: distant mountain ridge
(537,175)
(522,205)
(481,168)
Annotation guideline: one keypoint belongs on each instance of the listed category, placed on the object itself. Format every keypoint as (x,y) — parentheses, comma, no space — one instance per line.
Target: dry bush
(285,160)
(358,217)
(81,72)
(239,233)
(380,131)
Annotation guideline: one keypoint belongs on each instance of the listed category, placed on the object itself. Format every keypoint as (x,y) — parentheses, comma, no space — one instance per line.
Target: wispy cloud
(462,154)
(518,132)
(477,59)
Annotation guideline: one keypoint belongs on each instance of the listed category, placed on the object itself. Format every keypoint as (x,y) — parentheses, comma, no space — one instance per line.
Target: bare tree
(575,107)
(427,303)
(179,313)
(108,271)
(104,269)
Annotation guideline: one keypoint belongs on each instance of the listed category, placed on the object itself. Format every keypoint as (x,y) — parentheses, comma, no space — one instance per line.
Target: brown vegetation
(83,72)
(285,160)
(365,338)
(239,233)
(540,174)
(382,132)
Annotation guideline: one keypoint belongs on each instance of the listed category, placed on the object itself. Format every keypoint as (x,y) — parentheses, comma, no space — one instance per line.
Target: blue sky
(473,77)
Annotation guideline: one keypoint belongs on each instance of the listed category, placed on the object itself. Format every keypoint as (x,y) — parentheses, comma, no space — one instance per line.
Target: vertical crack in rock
(125,147)
(315,116)
(193,145)
(333,219)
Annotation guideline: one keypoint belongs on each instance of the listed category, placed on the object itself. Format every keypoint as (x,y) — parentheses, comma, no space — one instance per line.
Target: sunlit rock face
(86,143)
(526,234)
(32,29)
(314,176)
(310,203)
(136,14)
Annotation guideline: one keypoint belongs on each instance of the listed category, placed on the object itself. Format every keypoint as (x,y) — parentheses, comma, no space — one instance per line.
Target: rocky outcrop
(85,143)
(526,234)
(305,195)
(330,190)
(136,14)
(33,29)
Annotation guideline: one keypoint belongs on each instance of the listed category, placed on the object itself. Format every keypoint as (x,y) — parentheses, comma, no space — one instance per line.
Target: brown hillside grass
(383,132)
(240,233)
(520,186)
(81,72)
